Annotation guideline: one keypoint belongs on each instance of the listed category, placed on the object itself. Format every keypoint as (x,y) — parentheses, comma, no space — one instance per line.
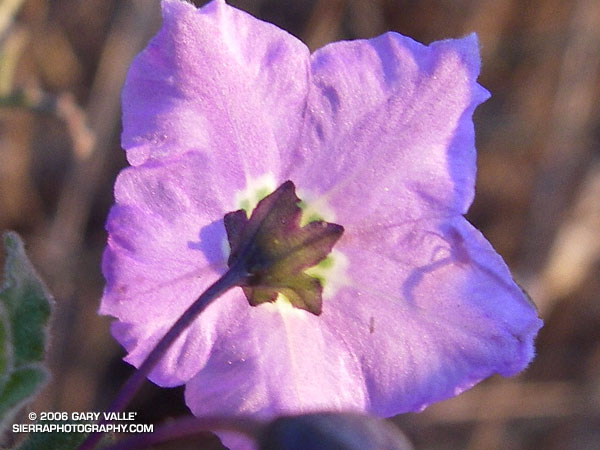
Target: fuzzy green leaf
(24,313)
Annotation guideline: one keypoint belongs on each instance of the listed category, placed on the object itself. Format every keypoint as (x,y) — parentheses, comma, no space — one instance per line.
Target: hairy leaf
(24,313)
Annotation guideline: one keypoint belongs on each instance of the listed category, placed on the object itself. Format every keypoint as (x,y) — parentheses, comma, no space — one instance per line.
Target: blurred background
(62,64)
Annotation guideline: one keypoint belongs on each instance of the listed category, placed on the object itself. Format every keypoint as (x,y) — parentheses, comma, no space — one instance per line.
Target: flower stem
(233,277)
(189,427)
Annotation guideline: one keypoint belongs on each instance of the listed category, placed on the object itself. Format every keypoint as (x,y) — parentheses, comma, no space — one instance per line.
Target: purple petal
(166,245)
(389,134)
(433,310)
(215,80)
(379,133)
(236,441)
(277,359)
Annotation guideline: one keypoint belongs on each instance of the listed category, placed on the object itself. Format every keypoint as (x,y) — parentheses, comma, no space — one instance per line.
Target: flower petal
(380,131)
(217,80)
(276,359)
(433,311)
(235,441)
(388,132)
(166,245)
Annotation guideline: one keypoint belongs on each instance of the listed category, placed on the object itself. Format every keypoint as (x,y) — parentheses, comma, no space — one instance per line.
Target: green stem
(188,427)
(233,277)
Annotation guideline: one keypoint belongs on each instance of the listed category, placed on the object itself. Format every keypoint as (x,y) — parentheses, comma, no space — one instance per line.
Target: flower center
(283,247)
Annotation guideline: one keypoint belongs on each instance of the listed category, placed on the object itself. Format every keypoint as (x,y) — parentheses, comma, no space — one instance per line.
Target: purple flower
(218,111)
